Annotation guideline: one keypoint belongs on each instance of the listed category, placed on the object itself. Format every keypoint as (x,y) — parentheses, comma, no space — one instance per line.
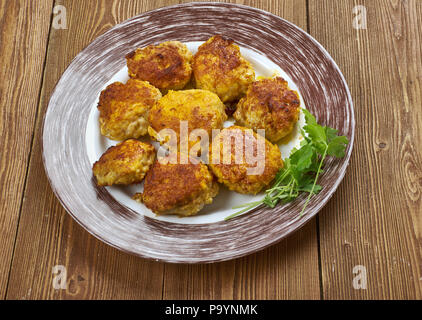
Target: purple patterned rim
(320,82)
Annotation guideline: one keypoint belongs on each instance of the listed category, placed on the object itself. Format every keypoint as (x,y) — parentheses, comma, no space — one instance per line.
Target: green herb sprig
(301,170)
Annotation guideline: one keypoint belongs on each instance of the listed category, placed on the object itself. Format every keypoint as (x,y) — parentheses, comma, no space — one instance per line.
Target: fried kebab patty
(124,109)
(181,189)
(237,174)
(201,109)
(269,104)
(124,163)
(219,67)
(166,65)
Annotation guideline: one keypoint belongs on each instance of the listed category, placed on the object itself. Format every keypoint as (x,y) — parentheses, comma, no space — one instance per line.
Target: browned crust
(235,176)
(171,185)
(121,159)
(277,104)
(127,150)
(120,96)
(229,55)
(275,94)
(161,65)
(202,109)
(219,61)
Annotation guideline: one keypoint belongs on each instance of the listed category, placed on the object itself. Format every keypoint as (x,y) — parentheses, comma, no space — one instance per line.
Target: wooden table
(374,220)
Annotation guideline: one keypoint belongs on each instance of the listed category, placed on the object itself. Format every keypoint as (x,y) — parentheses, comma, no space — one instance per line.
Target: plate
(71,139)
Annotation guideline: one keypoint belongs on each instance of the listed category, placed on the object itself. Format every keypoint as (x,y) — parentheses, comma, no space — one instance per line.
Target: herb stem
(255,203)
(315,181)
(251,206)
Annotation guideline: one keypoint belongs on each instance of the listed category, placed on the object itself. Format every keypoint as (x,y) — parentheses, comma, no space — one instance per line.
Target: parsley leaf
(336,147)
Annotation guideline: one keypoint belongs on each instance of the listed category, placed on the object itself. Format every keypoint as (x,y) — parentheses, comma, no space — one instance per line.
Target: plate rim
(299,225)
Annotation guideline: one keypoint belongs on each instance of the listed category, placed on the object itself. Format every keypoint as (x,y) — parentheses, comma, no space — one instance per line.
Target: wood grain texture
(47,235)
(98,271)
(375,218)
(278,272)
(24,27)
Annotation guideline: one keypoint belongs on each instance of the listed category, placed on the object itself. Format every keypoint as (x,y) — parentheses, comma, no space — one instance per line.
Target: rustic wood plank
(278,272)
(47,235)
(24,27)
(95,270)
(375,218)
(288,270)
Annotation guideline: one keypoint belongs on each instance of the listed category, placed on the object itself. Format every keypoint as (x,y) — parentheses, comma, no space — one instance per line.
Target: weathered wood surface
(373,220)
